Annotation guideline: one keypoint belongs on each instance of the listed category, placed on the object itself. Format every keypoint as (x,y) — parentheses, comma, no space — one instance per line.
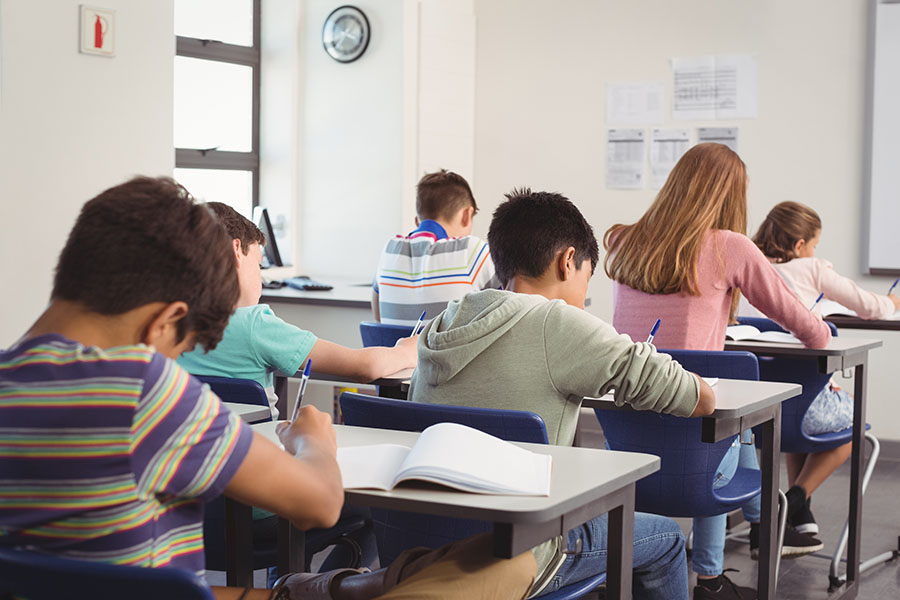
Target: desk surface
(846,322)
(251,413)
(346,293)
(735,398)
(579,476)
(836,347)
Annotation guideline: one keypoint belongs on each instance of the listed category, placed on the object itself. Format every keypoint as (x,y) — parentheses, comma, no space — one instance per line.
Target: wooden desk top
(579,476)
(734,397)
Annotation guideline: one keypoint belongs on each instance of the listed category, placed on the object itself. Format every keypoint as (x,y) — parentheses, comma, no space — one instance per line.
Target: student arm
(867,305)
(707,401)
(363,364)
(306,487)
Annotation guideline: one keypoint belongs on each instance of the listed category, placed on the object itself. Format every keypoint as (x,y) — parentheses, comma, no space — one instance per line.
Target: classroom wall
(540,108)
(72,125)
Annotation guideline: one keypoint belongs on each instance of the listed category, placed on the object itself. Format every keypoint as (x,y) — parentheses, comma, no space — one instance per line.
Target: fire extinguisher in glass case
(100,28)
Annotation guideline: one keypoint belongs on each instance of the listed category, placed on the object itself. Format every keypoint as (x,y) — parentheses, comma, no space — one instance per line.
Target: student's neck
(530,285)
(75,322)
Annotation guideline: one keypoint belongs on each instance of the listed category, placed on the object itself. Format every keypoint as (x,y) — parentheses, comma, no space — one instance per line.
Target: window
(216,125)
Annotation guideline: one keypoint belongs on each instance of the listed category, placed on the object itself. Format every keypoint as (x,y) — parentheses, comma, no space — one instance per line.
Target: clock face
(345,34)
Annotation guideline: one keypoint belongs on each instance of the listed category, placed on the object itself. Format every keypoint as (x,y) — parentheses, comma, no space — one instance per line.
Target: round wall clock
(345,34)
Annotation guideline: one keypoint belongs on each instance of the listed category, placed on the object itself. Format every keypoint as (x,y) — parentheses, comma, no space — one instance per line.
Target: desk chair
(382,334)
(265,542)
(683,487)
(396,531)
(47,577)
(795,440)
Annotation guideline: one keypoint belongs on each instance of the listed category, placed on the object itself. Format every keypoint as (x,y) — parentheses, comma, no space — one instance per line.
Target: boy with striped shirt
(440,261)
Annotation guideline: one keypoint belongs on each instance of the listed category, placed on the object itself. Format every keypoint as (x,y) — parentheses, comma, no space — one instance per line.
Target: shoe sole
(790,551)
(807,528)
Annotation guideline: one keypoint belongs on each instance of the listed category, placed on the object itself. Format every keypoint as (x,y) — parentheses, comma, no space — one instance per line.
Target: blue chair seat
(745,484)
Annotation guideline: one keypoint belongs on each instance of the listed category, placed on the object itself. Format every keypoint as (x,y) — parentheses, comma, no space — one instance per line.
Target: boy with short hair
(531,346)
(256,342)
(437,262)
(116,447)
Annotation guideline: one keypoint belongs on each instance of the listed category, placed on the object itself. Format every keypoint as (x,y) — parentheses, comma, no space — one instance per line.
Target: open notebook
(453,455)
(749,333)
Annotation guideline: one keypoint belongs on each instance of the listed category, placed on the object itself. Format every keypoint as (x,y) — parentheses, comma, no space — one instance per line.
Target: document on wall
(714,87)
(666,147)
(720,135)
(625,159)
(638,103)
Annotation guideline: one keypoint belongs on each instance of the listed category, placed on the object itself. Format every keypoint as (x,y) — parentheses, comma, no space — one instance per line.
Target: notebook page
(371,466)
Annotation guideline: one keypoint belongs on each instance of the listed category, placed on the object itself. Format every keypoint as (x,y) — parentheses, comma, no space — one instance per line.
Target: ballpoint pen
(303,381)
(822,295)
(893,285)
(421,320)
(653,331)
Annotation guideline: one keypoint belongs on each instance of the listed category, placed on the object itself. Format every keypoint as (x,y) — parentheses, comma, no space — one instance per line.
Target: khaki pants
(465,570)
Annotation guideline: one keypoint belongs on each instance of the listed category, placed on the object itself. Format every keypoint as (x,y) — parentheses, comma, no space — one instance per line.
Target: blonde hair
(707,189)
(785,225)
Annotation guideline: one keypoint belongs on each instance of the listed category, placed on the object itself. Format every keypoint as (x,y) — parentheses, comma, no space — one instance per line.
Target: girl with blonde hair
(686,261)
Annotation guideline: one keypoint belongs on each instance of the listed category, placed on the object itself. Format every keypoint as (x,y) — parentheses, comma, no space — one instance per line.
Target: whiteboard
(884,152)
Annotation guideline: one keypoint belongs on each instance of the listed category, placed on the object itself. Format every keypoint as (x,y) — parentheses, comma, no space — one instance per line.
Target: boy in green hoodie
(531,346)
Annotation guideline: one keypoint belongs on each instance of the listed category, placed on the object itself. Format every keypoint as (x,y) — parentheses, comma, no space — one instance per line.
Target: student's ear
(798,246)
(466,216)
(417,221)
(565,263)
(238,251)
(161,330)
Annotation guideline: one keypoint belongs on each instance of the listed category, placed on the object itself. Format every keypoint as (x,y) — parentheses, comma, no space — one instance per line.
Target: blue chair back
(804,371)
(381,334)
(38,576)
(683,487)
(239,391)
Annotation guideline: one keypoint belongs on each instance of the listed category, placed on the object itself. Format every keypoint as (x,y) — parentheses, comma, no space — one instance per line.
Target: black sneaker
(795,543)
(722,588)
(804,521)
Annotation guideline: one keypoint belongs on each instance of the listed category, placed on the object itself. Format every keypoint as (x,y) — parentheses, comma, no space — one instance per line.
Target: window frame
(213,50)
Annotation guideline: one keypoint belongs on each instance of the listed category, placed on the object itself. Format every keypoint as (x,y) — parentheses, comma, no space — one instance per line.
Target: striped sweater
(426,269)
(108,455)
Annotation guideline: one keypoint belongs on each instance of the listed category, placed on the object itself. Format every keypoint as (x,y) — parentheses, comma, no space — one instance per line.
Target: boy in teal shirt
(257,342)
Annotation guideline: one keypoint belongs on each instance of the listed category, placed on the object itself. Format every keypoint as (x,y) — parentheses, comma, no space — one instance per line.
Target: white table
(251,413)
(740,405)
(840,354)
(585,483)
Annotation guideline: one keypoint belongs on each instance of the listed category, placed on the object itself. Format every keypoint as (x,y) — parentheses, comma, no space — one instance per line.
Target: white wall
(540,110)
(72,125)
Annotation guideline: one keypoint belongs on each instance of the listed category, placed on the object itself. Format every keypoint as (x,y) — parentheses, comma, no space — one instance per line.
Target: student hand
(408,345)
(311,426)
(895,300)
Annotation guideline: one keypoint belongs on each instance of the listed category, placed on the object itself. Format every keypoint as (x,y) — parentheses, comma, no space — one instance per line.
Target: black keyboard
(305,283)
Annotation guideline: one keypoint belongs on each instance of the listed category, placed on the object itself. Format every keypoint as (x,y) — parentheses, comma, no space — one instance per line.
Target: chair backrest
(381,334)
(38,576)
(804,371)
(239,391)
(395,531)
(683,487)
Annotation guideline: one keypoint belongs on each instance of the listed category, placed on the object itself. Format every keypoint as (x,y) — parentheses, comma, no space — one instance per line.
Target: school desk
(250,413)
(841,353)
(586,483)
(740,405)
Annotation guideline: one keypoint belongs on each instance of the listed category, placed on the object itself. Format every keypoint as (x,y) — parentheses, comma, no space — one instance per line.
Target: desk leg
(280,385)
(856,472)
(238,544)
(768,531)
(621,547)
(291,548)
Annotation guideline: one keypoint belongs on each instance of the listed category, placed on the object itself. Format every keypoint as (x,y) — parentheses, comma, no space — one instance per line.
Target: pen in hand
(822,295)
(421,320)
(653,331)
(303,380)
(893,285)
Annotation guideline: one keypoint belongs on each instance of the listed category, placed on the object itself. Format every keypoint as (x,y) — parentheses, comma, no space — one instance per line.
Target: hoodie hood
(467,328)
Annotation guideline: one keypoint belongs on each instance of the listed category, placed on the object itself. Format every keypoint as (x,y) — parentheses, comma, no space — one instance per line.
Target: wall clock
(345,34)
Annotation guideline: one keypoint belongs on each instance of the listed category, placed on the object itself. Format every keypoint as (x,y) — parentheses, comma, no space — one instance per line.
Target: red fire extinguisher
(98,33)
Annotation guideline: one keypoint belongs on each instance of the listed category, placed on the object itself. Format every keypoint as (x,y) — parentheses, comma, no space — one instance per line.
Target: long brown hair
(785,225)
(707,189)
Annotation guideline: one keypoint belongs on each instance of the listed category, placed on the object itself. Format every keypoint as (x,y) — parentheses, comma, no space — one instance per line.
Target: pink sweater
(698,322)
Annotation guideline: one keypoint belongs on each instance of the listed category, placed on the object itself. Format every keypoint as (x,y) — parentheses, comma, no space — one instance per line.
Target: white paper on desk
(714,87)
(638,103)
(666,147)
(625,159)
(711,381)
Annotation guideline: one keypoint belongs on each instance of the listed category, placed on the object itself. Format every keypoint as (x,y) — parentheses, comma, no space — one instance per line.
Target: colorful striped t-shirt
(426,269)
(108,455)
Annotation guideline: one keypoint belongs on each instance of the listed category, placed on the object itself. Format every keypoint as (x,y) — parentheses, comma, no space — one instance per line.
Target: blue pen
(893,285)
(653,331)
(302,389)
(419,323)
(822,295)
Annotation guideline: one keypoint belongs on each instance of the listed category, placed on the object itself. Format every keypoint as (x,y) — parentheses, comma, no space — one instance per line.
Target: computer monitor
(273,257)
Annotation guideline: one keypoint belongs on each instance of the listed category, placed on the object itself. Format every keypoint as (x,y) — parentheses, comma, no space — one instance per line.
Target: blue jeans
(709,532)
(660,567)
